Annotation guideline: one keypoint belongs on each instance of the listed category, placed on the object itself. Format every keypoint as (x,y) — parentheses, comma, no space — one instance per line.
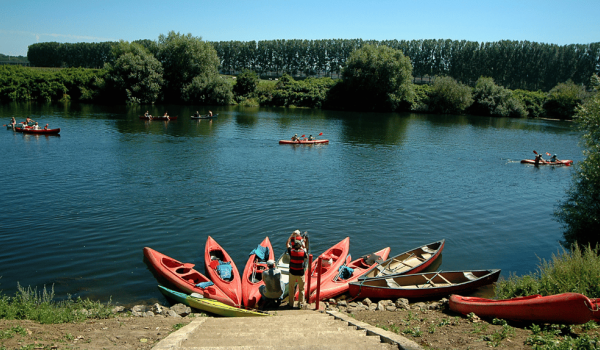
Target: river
(78,209)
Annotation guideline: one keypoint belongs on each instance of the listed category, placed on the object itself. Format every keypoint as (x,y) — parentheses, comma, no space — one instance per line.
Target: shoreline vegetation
(504,79)
(417,321)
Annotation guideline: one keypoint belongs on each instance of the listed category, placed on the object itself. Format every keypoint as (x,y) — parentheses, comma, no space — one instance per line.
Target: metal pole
(319,265)
(307,293)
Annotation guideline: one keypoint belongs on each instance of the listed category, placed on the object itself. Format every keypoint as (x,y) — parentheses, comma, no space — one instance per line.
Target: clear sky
(25,22)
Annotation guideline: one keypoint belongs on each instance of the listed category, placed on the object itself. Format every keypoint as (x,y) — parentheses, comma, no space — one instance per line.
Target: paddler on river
(539,159)
(295,137)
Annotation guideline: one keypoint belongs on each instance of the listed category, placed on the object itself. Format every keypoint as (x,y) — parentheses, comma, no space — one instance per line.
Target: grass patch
(40,306)
(574,271)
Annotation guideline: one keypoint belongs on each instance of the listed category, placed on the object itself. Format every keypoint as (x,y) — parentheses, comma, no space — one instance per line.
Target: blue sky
(25,22)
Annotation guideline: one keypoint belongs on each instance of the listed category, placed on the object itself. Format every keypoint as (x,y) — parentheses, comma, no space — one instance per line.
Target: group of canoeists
(296,138)
(28,123)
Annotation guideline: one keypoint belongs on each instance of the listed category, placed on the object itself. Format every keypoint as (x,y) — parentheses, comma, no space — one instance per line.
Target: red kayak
(38,131)
(157,118)
(565,162)
(184,277)
(336,285)
(422,285)
(221,269)
(412,261)
(300,142)
(252,276)
(567,308)
(333,258)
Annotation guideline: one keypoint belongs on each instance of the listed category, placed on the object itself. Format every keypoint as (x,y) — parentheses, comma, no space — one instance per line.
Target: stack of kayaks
(223,291)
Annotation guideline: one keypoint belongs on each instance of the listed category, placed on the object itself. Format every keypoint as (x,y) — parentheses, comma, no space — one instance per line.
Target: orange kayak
(228,279)
(252,276)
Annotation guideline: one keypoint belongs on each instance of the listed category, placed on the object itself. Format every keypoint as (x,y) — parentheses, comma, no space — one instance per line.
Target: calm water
(78,209)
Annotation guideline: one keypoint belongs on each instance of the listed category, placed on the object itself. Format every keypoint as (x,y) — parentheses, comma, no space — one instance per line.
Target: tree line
(513,64)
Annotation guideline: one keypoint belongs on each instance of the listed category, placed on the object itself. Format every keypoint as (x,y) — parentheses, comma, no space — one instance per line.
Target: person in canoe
(272,290)
(196,115)
(298,257)
(13,122)
(46,127)
(295,137)
(553,159)
(539,159)
(210,113)
(310,138)
(29,121)
(36,126)
(166,116)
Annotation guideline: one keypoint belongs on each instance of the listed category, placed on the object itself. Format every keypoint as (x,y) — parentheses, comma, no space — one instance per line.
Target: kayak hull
(565,162)
(213,253)
(40,131)
(422,285)
(301,142)
(566,308)
(333,258)
(409,262)
(209,305)
(183,276)
(252,276)
(336,286)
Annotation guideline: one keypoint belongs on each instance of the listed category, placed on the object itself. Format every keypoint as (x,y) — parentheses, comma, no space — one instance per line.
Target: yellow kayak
(212,306)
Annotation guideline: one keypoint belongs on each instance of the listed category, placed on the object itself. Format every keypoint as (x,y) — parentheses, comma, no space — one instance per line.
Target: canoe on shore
(333,258)
(422,285)
(184,277)
(221,269)
(412,261)
(566,308)
(252,276)
(565,162)
(301,142)
(205,116)
(143,117)
(209,305)
(336,285)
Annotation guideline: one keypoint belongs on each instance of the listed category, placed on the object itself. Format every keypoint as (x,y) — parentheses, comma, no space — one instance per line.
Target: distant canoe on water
(301,142)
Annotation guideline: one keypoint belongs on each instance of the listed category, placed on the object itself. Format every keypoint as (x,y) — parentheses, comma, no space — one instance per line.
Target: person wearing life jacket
(297,267)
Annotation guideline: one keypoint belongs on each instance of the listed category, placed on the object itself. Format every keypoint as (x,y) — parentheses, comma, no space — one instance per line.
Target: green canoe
(215,307)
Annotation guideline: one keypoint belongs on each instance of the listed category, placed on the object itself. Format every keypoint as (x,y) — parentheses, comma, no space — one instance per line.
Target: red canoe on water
(214,255)
(565,162)
(184,277)
(412,261)
(333,258)
(39,131)
(336,285)
(567,308)
(252,276)
(300,142)
(422,285)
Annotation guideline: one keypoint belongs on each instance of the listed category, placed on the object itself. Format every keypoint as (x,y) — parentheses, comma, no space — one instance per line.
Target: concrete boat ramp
(286,329)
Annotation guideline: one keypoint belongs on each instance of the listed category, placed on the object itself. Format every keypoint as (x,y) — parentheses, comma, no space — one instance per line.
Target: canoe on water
(184,277)
(412,261)
(252,276)
(205,116)
(565,162)
(209,305)
(422,285)
(337,285)
(566,308)
(143,117)
(301,142)
(221,269)
(39,131)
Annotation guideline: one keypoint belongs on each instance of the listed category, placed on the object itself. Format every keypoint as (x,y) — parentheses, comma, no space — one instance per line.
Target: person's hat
(297,232)
(270,263)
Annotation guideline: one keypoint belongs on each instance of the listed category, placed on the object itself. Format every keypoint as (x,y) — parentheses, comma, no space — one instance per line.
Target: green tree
(378,78)
(449,96)
(494,100)
(563,99)
(245,83)
(580,211)
(190,66)
(136,75)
